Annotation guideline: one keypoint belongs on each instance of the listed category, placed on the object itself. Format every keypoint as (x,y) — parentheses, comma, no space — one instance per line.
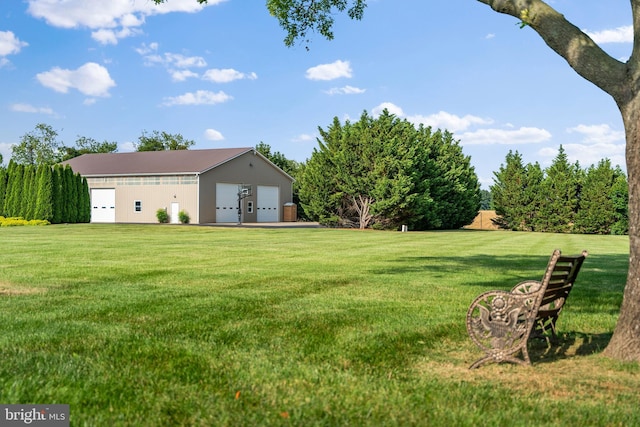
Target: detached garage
(131,187)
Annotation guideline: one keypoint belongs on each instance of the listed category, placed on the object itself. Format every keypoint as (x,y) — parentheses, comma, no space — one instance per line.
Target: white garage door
(268,204)
(226,202)
(103,205)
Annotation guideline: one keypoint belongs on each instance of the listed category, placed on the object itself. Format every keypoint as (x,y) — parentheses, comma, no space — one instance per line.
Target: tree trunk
(625,343)
(622,82)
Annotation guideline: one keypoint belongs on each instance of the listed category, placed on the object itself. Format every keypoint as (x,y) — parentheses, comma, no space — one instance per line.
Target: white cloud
(108,36)
(594,134)
(10,44)
(226,75)
(303,137)
(146,49)
(200,97)
(90,79)
(126,147)
(597,142)
(213,135)
(346,90)
(392,108)
(618,35)
(523,135)
(182,75)
(180,66)
(169,60)
(105,36)
(588,155)
(177,65)
(440,120)
(335,70)
(27,108)
(181,61)
(121,16)
(454,123)
(448,121)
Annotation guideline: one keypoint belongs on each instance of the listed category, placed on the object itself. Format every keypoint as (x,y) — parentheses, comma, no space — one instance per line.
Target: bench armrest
(499,322)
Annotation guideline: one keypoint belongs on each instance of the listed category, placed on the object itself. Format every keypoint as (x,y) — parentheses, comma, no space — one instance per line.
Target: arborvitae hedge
(3,188)
(54,194)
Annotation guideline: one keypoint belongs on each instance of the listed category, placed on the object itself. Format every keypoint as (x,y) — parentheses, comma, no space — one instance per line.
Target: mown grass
(182,325)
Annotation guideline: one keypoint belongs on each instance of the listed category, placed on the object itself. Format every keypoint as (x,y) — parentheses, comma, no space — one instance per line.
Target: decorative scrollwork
(500,322)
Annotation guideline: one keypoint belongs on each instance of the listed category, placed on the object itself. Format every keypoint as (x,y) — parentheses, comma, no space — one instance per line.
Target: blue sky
(221,75)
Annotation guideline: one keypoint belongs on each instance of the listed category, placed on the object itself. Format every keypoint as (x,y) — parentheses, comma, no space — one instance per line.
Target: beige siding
(153,194)
(196,194)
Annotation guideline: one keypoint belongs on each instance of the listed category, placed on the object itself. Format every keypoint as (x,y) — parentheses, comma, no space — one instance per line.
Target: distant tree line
(375,173)
(44,192)
(42,146)
(564,198)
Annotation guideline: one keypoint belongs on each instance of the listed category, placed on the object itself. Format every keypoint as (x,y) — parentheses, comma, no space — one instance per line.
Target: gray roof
(169,162)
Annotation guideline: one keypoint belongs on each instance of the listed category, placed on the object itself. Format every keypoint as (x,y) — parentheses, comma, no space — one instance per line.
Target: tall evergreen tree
(85,200)
(3,188)
(383,172)
(559,200)
(596,213)
(453,182)
(69,195)
(27,203)
(58,201)
(532,195)
(508,193)
(14,188)
(8,195)
(620,199)
(44,199)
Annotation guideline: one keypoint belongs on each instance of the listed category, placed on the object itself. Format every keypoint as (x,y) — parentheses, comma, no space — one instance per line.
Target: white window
(137,206)
(250,207)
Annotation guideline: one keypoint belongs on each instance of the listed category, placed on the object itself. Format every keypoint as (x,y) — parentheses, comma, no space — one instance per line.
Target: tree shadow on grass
(567,345)
(598,288)
(514,267)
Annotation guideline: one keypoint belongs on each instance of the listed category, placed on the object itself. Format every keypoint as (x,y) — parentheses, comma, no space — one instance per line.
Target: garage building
(131,187)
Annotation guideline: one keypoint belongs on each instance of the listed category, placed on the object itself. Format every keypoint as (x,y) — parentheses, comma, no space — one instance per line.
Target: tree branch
(568,41)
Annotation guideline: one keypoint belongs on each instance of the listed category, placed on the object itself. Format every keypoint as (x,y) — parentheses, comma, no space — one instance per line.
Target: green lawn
(183,325)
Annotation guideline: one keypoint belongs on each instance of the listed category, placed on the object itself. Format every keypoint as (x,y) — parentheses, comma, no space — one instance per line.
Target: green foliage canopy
(38,146)
(85,145)
(384,172)
(161,141)
(561,199)
(277,158)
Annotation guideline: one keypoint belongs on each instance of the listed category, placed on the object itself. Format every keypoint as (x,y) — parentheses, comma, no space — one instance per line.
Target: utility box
(290,212)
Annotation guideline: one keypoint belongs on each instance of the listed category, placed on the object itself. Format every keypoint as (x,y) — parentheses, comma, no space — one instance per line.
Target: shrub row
(163,216)
(17,221)
(43,192)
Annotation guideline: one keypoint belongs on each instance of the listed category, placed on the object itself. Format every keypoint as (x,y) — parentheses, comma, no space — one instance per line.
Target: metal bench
(501,322)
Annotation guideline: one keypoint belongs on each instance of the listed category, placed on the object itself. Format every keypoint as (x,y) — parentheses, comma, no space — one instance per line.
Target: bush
(183,217)
(162,215)
(18,221)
